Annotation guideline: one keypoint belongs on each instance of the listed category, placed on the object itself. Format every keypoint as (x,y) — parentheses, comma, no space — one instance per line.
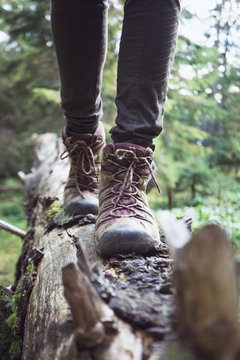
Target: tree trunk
(193,189)
(71,304)
(170,198)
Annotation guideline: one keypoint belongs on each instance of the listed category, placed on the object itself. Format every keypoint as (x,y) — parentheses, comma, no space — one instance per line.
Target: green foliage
(29,100)
(200,142)
(28,62)
(15,349)
(225,212)
(49,95)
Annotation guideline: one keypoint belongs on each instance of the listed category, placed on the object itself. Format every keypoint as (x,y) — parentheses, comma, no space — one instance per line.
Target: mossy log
(82,307)
(74,305)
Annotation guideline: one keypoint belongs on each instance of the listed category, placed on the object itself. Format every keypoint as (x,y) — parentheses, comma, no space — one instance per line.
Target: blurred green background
(198,153)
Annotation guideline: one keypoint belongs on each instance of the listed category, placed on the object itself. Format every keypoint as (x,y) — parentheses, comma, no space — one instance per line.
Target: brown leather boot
(125,223)
(82,187)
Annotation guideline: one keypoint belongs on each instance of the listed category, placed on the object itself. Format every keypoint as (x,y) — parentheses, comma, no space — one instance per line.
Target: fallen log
(71,304)
(83,327)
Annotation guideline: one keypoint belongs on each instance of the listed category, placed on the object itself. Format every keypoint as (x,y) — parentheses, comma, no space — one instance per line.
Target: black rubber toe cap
(83,207)
(126,239)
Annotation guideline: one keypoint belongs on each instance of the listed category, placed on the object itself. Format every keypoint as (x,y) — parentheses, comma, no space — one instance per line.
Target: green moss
(10,341)
(10,318)
(123,277)
(13,322)
(5,332)
(16,299)
(61,217)
(55,208)
(31,269)
(5,300)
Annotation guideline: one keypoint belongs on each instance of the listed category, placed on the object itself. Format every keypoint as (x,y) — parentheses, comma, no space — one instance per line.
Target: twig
(12,229)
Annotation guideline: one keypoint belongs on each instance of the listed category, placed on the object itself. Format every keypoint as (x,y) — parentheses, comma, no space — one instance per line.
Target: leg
(79,29)
(125,223)
(147,49)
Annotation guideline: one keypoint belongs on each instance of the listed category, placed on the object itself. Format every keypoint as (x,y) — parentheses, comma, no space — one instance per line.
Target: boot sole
(82,207)
(126,240)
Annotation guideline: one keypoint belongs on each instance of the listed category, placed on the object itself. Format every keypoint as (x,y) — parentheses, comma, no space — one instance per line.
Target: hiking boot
(125,224)
(82,187)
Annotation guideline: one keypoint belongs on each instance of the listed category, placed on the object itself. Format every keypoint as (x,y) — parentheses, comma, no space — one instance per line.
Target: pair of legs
(148,43)
(147,48)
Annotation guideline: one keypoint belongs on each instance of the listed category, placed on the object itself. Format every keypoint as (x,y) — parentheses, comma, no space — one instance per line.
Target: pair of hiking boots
(110,181)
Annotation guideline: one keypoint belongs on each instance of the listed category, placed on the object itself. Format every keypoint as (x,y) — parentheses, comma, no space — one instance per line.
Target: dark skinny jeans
(147,48)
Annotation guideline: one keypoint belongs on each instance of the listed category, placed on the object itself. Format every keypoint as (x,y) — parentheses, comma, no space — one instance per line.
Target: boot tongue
(83,137)
(139,150)
(124,154)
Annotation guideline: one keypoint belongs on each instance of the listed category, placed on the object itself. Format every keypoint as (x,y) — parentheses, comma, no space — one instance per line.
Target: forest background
(198,153)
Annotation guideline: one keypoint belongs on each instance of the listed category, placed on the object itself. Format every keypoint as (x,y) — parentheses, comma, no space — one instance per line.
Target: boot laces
(82,157)
(131,180)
